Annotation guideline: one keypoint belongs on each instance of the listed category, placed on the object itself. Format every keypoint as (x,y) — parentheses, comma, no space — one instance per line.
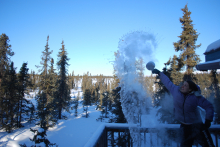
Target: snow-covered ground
(75,131)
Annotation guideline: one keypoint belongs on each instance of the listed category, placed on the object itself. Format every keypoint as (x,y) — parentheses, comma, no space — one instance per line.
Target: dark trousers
(191,133)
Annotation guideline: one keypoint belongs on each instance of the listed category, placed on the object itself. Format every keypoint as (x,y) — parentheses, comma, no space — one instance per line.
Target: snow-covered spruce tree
(39,137)
(45,97)
(5,54)
(187,45)
(63,99)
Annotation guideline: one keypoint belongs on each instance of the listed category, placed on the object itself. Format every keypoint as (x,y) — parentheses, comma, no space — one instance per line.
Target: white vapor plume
(134,98)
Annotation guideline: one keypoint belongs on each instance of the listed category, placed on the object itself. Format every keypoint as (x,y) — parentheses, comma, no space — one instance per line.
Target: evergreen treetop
(5,53)
(187,44)
(45,59)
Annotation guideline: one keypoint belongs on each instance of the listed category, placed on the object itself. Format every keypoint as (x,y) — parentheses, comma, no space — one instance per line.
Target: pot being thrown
(150,65)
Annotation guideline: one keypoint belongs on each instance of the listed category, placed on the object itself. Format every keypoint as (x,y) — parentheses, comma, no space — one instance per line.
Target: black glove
(207,124)
(155,71)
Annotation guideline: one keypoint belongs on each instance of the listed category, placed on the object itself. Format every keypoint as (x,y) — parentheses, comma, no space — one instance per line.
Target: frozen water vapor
(134,98)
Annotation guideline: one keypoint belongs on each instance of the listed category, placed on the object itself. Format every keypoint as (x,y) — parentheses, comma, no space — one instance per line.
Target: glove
(207,124)
(155,71)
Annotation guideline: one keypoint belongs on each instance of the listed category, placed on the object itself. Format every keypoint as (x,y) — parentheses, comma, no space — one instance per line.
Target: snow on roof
(209,65)
(213,46)
(208,62)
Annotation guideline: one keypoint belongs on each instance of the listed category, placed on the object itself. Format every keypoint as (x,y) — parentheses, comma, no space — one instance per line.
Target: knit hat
(192,85)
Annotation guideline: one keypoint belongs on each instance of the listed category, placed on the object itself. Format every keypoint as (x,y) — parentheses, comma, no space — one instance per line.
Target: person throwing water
(186,99)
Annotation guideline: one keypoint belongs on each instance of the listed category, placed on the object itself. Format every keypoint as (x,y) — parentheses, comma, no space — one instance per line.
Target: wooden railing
(111,135)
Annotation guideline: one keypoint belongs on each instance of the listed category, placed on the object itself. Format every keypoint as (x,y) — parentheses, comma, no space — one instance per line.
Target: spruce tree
(86,82)
(175,75)
(117,111)
(52,80)
(23,106)
(86,101)
(105,102)
(5,54)
(45,97)
(205,81)
(97,95)
(40,136)
(93,94)
(187,44)
(63,96)
(10,86)
(102,88)
(76,104)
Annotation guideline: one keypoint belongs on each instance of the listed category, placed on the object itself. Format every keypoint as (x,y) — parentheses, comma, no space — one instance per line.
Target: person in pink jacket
(186,99)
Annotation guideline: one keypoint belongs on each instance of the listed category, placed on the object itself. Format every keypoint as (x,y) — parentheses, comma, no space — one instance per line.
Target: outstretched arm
(166,81)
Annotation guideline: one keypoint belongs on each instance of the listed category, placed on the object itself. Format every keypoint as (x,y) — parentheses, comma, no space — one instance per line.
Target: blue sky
(91,29)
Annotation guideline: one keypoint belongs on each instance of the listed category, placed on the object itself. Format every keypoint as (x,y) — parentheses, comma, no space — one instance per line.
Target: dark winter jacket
(185,106)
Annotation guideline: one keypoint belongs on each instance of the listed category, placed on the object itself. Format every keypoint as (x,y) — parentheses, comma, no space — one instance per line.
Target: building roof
(211,52)
(210,65)
(213,47)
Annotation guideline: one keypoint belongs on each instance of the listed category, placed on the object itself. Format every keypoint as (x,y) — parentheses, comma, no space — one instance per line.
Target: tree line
(53,90)
(14,108)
